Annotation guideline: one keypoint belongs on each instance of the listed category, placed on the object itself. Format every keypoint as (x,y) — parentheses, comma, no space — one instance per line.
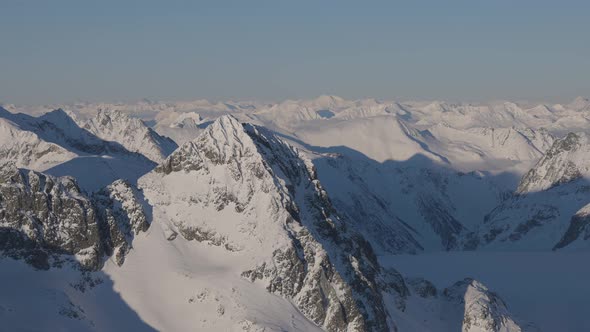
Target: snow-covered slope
(379,138)
(130,132)
(494,149)
(409,206)
(548,208)
(55,144)
(28,150)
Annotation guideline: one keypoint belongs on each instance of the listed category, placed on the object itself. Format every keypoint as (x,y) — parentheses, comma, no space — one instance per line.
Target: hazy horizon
(22,106)
(64,51)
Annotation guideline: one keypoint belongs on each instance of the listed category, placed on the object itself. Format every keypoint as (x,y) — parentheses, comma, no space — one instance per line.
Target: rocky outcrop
(46,220)
(42,215)
(560,164)
(122,216)
(483,309)
(26,149)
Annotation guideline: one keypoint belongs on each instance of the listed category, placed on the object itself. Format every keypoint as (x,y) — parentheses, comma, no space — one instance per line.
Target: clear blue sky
(63,51)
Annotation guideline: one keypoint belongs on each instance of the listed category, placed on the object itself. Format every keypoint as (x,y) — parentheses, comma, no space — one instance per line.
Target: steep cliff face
(566,161)
(122,215)
(484,310)
(44,215)
(47,220)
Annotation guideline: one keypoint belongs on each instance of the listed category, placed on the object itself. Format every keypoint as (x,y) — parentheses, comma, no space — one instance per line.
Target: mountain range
(301,215)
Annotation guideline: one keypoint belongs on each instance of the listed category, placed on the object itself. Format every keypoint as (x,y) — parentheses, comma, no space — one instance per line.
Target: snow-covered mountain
(565,161)
(27,149)
(259,205)
(548,209)
(54,143)
(283,216)
(130,132)
(253,196)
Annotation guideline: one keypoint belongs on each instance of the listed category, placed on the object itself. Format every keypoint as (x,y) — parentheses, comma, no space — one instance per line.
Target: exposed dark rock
(43,217)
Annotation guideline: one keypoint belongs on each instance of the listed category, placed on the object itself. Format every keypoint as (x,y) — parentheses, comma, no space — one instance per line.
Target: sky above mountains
(63,51)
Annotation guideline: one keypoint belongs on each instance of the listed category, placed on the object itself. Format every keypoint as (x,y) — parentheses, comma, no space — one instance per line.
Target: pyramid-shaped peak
(110,117)
(227,121)
(223,141)
(56,114)
(225,130)
(60,118)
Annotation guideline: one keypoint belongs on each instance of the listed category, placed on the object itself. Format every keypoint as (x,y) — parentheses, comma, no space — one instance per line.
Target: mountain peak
(226,122)
(227,136)
(223,140)
(58,116)
(277,218)
(107,116)
(131,132)
(484,310)
(329,98)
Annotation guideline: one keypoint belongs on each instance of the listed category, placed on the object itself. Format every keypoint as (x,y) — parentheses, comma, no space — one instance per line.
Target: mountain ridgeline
(245,228)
